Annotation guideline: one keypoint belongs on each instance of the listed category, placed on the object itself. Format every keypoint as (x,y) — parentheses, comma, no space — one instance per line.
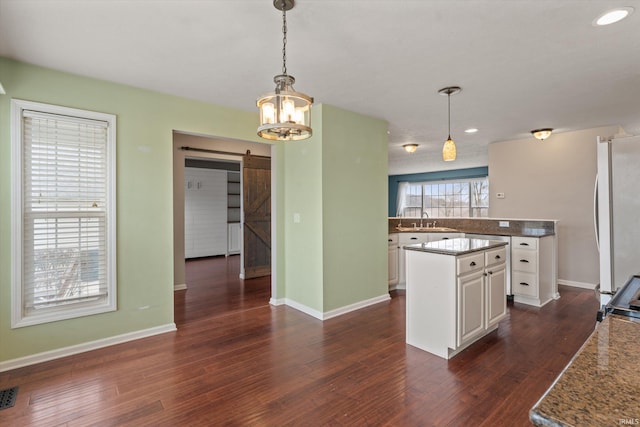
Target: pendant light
(449,147)
(285,114)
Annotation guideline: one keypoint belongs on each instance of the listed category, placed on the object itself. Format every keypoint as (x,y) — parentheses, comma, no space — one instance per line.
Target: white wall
(553,179)
(205,212)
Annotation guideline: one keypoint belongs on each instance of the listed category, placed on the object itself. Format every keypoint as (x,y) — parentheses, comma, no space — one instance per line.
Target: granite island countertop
(601,385)
(458,246)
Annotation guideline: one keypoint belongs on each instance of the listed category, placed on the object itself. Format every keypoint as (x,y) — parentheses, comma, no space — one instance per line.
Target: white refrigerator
(617,212)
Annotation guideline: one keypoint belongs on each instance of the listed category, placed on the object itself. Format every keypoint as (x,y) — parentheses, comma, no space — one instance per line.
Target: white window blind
(66,219)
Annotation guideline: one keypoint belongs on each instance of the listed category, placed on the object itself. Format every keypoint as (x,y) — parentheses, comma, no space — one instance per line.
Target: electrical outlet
(500,195)
(296,218)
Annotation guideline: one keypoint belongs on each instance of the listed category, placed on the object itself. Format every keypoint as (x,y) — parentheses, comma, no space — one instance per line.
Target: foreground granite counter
(601,385)
(458,246)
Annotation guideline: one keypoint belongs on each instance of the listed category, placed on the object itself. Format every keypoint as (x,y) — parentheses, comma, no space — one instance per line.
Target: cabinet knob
(484,274)
(491,272)
(524,260)
(524,244)
(473,264)
(414,238)
(497,256)
(524,283)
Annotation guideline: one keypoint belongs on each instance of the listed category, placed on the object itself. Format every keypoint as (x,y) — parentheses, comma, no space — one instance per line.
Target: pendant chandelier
(285,115)
(449,147)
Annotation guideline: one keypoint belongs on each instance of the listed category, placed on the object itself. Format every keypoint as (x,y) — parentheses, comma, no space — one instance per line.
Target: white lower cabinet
(482,302)
(533,274)
(393,260)
(452,301)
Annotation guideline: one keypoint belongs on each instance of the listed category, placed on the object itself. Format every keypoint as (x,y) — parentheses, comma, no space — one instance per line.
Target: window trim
(66,311)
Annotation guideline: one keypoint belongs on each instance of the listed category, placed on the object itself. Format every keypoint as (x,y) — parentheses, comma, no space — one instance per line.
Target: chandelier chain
(284,39)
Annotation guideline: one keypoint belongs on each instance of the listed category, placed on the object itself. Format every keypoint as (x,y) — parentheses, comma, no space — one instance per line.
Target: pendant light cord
(449,104)
(284,39)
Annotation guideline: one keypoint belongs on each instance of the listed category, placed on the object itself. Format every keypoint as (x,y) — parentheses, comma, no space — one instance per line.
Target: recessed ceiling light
(613,16)
(471,130)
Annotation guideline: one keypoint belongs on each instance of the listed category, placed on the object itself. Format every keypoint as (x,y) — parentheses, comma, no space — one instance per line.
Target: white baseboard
(338,311)
(303,308)
(277,301)
(582,285)
(180,287)
(81,348)
(356,306)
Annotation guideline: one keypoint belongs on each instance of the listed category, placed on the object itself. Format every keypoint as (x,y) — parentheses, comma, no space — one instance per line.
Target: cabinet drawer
(470,263)
(519,242)
(524,260)
(495,256)
(410,238)
(393,239)
(524,284)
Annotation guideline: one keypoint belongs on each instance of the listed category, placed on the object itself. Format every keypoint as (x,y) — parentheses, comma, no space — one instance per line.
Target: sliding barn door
(256,190)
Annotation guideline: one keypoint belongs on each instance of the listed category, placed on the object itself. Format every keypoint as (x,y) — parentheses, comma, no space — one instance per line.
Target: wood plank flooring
(237,361)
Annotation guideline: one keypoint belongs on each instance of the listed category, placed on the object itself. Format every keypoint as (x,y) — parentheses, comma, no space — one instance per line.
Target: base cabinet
(393,261)
(533,274)
(452,301)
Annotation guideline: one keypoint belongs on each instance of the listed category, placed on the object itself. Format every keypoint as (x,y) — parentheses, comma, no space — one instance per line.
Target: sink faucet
(414,224)
(434,224)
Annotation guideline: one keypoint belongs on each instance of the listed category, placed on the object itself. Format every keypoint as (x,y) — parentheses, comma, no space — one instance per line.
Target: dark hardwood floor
(235,360)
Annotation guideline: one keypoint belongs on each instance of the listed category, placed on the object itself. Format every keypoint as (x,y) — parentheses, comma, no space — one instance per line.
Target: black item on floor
(8,397)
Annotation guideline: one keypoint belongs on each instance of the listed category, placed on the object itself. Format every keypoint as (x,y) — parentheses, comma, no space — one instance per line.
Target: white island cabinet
(455,293)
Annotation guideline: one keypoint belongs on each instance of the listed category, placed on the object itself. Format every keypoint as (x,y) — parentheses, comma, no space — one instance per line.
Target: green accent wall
(145,121)
(335,181)
(336,187)
(354,195)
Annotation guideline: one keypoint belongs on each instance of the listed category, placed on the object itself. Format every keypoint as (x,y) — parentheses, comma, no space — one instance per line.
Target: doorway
(212,149)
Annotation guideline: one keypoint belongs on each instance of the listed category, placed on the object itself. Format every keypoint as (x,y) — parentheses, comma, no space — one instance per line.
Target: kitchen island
(455,293)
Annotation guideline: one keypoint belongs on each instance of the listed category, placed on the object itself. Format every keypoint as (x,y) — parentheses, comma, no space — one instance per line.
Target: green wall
(145,121)
(335,181)
(303,198)
(354,176)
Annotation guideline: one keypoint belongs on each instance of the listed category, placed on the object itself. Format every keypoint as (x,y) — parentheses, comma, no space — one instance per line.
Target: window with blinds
(64,213)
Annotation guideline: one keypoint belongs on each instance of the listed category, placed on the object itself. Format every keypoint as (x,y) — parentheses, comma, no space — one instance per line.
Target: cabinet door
(393,264)
(496,290)
(470,306)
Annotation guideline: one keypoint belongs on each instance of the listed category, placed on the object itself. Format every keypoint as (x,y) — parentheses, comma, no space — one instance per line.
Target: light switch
(296,218)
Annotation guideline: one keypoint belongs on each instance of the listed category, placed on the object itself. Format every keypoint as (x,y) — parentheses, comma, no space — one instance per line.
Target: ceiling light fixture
(285,115)
(471,130)
(542,134)
(410,148)
(612,16)
(449,147)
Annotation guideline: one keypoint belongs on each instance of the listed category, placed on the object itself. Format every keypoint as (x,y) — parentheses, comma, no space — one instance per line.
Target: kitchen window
(63,213)
(441,199)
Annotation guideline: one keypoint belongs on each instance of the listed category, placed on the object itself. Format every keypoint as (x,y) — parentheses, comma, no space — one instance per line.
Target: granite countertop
(459,246)
(601,384)
(486,226)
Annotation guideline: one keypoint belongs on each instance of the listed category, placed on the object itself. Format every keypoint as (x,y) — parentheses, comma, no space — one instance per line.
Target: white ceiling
(522,64)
